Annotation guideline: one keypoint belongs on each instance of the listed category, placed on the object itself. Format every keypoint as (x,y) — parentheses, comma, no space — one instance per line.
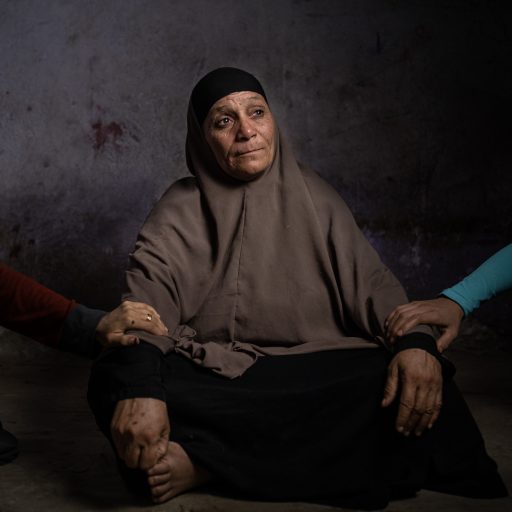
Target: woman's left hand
(419,374)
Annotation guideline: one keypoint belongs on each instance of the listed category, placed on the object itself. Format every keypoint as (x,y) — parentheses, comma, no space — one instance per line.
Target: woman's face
(240,130)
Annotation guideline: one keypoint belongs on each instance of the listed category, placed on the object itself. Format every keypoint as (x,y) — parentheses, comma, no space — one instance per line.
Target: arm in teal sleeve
(490,278)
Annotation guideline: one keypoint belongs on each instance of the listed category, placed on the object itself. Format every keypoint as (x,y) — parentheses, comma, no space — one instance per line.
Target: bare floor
(66,465)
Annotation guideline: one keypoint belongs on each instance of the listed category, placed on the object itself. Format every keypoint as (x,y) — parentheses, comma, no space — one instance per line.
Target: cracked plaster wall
(404,106)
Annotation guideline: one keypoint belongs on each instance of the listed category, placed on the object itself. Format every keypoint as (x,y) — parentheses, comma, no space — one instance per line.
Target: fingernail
(418,432)
(406,434)
(400,429)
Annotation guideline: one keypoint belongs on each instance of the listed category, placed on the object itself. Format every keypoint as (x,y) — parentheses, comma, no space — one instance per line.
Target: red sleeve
(30,308)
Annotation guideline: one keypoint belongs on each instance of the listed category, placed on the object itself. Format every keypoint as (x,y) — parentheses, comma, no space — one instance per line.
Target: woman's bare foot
(174,474)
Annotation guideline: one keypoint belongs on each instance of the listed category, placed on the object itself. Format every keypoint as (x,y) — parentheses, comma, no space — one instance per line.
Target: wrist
(417,340)
(425,342)
(453,306)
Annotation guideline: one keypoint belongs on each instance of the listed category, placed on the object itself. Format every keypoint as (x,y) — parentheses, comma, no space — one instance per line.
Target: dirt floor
(66,465)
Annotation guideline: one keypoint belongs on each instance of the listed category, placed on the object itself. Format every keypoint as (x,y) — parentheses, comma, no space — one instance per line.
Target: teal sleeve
(490,278)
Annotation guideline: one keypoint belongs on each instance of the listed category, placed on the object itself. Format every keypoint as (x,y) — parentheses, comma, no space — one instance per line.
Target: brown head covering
(273,266)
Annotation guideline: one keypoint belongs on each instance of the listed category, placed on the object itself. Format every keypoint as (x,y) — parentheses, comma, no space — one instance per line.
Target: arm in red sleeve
(30,308)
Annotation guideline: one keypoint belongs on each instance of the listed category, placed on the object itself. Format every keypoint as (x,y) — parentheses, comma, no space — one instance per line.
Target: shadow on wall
(428,264)
(81,255)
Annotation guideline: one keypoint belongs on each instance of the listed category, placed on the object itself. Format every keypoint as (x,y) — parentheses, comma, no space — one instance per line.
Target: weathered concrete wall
(404,106)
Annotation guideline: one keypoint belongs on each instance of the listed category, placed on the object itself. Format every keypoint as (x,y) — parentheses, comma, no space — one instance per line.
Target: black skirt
(311,428)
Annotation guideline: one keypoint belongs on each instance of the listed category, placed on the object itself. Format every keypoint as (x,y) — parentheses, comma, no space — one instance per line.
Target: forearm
(489,279)
(30,308)
(79,331)
(127,396)
(128,372)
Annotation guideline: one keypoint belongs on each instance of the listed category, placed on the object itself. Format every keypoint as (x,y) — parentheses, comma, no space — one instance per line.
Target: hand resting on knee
(140,430)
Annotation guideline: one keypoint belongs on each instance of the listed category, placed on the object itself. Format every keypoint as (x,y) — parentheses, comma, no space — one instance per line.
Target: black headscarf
(219,83)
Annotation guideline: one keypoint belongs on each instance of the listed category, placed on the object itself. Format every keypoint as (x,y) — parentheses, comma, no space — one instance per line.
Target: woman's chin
(246,174)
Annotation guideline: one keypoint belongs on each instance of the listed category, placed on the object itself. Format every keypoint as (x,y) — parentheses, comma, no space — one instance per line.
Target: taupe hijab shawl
(276,266)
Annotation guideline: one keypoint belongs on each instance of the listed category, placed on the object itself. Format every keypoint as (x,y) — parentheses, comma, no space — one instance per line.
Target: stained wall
(404,106)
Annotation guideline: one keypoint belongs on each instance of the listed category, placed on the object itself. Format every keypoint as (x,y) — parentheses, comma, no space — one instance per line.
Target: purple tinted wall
(403,106)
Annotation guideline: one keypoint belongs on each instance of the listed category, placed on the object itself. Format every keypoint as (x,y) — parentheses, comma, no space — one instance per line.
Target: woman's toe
(157,480)
(160,490)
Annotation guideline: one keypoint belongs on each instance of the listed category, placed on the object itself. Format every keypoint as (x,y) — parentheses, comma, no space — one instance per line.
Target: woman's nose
(245,129)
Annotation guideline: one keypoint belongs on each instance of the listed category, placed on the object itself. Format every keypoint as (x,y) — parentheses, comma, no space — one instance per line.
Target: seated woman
(271,381)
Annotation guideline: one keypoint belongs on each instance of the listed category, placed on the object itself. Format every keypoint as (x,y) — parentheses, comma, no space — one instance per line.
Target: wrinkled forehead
(219,84)
(237,100)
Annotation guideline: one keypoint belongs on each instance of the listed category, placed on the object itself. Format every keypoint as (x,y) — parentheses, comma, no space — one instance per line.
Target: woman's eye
(223,121)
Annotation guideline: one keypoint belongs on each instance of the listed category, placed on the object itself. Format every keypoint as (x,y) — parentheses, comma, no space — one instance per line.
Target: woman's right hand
(140,430)
(443,312)
(111,329)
